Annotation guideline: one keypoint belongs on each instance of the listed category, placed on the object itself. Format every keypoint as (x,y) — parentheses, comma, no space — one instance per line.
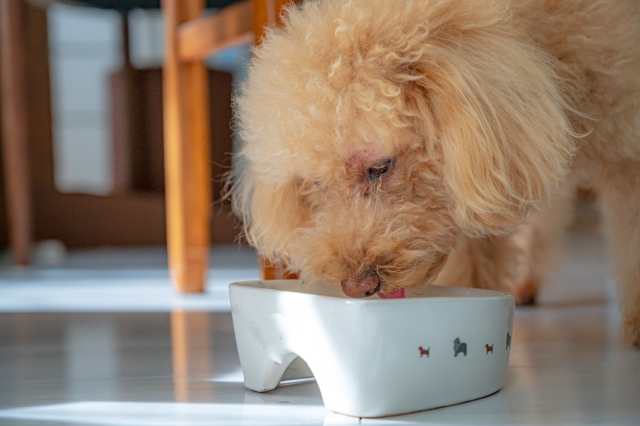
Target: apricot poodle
(396,143)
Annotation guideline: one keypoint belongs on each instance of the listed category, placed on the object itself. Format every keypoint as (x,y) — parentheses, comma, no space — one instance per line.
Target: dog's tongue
(398,294)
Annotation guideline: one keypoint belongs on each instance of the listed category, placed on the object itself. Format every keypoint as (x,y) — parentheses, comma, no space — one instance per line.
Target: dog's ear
(497,115)
(271,213)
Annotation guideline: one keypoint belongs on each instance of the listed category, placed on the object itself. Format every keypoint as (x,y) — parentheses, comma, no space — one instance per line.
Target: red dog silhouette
(489,348)
(424,351)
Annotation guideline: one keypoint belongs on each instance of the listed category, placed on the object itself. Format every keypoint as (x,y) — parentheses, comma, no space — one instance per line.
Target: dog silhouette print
(424,351)
(459,347)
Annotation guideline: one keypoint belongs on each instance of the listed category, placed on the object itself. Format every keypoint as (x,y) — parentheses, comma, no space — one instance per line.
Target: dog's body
(397,143)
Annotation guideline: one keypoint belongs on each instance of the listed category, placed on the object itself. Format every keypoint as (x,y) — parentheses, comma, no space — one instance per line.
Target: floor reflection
(169,414)
(90,348)
(191,346)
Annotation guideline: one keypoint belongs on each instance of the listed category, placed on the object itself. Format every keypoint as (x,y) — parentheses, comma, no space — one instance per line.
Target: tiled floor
(567,366)
(102,340)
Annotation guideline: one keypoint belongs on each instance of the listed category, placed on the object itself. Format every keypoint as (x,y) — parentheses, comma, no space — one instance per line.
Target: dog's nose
(366,283)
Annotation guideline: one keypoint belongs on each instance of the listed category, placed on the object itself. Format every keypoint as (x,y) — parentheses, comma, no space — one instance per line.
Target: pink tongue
(398,294)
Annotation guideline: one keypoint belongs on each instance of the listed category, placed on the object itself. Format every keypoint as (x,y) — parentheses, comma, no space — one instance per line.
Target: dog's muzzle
(365,283)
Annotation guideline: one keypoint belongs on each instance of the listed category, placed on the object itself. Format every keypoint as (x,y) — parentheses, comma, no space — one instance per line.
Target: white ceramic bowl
(369,356)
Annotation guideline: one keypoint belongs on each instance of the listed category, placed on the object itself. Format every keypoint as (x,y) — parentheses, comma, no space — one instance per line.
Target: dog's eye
(376,171)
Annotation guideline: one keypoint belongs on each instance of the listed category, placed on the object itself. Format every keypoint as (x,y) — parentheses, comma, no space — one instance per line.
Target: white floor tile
(121,280)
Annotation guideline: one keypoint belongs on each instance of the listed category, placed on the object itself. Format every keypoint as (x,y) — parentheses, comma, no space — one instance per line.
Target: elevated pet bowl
(372,357)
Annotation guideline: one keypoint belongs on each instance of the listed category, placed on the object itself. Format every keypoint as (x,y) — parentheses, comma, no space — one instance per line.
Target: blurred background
(95,156)
(86,55)
(95,175)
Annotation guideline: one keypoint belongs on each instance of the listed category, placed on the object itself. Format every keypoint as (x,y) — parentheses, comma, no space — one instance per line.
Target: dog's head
(377,132)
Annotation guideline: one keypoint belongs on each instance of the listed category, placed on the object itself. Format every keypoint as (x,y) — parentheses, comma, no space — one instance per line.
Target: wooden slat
(128,159)
(41,162)
(262,12)
(279,9)
(188,180)
(209,34)
(267,13)
(132,219)
(15,126)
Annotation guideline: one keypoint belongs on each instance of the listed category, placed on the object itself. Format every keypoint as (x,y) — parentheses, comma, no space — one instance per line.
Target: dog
(424,351)
(396,143)
(489,348)
(508,340)
(459,347)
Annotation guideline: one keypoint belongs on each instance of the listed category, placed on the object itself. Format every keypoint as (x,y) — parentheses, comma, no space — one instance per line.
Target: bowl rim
(490,294)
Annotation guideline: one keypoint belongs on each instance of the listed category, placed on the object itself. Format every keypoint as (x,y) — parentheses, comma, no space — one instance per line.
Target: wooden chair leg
(187,165)
(14,127)
(269,271)
(266,13)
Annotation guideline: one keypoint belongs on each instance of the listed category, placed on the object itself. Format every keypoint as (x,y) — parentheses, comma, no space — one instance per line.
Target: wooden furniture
(131,214)
(13,46)
(134,213)
(189,38)
(183,324)
(262,14)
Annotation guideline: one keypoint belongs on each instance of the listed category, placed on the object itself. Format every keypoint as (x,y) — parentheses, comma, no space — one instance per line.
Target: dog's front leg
(543,240)
(518,263)
(618,187)
(498,263)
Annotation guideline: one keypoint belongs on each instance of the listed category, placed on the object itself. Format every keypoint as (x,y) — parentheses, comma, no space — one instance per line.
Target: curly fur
(479,105)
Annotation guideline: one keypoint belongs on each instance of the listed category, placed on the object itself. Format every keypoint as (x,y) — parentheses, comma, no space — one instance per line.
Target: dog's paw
(631,329)
(525,293)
